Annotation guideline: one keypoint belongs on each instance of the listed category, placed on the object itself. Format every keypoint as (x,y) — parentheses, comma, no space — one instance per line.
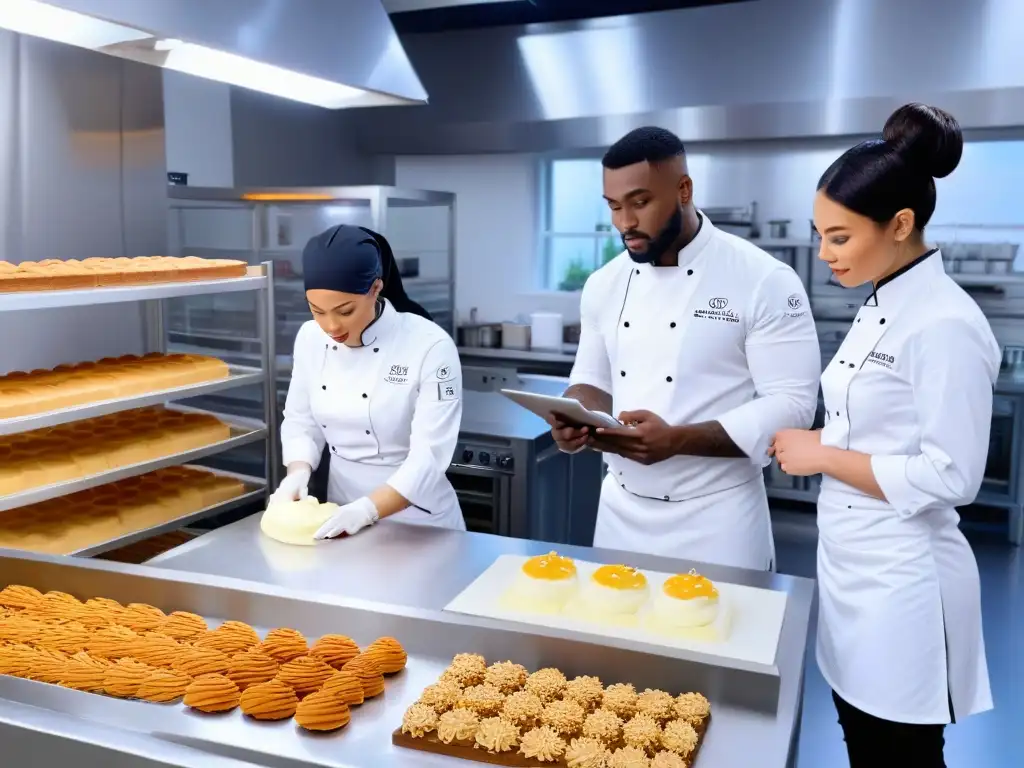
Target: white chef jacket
(390,410)
(899,626)
(726,335)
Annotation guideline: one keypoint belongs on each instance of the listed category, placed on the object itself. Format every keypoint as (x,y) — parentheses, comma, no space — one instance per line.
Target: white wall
(496,237)
(197,120)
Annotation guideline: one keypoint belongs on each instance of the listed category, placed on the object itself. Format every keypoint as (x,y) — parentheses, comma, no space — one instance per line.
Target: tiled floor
(991,740)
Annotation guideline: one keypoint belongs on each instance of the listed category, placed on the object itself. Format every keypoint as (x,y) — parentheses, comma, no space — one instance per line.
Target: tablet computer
(565,408)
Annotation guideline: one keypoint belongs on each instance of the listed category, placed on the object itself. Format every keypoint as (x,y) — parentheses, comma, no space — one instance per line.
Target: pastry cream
(269,701)
(212,693)
(419,720)
(694,708)
(336,650)
(586,753)
(565,717)
(585,690)
(506,676)
(458,727)
(296,522)
(485,700)
(322,711)
(604,726)
(466,669)
(629,757)
(442,696)
(642,732)
(657,704)
(679,737)
(621,699)
(523,709)
(497,735)
(542,744)
(547,684)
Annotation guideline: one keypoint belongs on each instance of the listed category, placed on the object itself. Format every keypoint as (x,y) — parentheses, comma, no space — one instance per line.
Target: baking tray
(238,376)
(243,432)
(430,637)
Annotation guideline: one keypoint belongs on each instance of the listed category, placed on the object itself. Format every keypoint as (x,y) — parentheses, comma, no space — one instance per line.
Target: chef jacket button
(324,426)
(335,347)
(850,364)
(668,378)
(689,271)
(638,271)
(882,321)
(858,319)
(837,413)
(323,386)
(367,431)
(622,373)
(671,325)
(376,349)
(626,324)
(364,395)
(842,362)
(665,497)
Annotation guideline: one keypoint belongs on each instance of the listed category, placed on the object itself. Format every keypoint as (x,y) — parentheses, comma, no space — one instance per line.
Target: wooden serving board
(430,743)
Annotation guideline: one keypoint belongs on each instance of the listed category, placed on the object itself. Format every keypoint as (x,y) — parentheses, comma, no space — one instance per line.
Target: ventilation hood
(331,53)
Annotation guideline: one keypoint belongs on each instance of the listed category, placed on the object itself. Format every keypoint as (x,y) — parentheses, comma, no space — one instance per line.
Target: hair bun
(926,137)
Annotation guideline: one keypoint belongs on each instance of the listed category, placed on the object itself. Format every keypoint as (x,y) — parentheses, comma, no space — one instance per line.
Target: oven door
(484,496)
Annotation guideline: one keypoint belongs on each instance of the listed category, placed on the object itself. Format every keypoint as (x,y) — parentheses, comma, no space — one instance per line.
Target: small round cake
(251,668)
(389,655)
(212,693)
(182,625)
(346,687)
(694,708)
(485,700)
(603,725)
(322,711)
(506,676)
(124,678)
(283,645)
(546,579)
(679,737)
(368,673)
(542,744)
(586,753)
(336,650)
(657,704)
(140,617)
(629,757)
(615,590)
(668,760)
(686,600)
(84,673)
(548,684)
(466,669)
(111,642)
(497,735)
(304,675)
(442,696)
(458,726)
(296,522)
(585,690)
(642,732)
(196,662)
(164,686)
(566,717)
(523,709)
(269,701)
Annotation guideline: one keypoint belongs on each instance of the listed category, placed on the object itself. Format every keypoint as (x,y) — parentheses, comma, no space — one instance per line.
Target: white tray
(749,630)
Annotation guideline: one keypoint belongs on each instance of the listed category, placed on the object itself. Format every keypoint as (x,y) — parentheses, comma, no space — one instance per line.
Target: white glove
(294,487)
(350,519)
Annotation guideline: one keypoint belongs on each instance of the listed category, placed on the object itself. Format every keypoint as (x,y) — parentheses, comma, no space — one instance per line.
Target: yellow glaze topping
(550,567)
(687,586)
(619,577)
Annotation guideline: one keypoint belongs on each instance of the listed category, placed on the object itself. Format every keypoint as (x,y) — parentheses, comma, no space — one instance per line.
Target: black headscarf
(349,259)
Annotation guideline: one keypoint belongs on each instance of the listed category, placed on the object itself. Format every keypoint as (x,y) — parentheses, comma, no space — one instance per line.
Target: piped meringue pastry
(322,711)
(269,701)
(336,650)
(212,693)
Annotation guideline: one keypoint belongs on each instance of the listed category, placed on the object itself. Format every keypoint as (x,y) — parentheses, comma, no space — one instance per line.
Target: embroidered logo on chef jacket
(794,301)
(718,311)
(444,373)
(399,374)
(448,391)
(880,358)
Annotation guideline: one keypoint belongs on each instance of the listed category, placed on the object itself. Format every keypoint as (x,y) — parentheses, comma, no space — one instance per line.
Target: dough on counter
(295,522)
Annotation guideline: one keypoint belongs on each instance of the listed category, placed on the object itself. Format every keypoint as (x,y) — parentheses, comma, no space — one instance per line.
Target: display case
(273,225)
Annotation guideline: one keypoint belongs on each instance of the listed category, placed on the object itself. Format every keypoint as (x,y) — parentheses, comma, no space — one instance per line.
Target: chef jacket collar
(893,289)
(694,248)
(379,329)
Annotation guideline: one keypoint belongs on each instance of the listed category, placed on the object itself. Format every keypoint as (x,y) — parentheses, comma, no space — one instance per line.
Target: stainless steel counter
(756,708)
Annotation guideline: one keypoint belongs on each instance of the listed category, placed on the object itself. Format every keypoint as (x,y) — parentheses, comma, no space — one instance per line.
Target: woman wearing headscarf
(378,384)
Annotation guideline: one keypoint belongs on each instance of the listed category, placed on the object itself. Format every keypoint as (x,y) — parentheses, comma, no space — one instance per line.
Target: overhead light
(50,21)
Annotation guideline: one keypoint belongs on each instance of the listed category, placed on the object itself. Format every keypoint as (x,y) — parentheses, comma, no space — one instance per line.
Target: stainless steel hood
(332,53)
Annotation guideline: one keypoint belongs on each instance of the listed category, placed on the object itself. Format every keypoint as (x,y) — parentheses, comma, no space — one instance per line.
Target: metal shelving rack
(244,431)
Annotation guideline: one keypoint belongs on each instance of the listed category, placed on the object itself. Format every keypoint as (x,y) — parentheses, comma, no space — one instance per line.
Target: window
(578,236)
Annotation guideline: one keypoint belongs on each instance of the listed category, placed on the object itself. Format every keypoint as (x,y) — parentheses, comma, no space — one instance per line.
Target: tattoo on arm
(708,438)
(591,398)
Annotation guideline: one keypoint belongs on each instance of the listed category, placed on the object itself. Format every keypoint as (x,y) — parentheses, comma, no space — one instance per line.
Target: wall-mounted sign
(176,179)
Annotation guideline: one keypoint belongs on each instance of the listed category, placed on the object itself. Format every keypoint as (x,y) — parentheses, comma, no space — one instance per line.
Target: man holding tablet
(704,346)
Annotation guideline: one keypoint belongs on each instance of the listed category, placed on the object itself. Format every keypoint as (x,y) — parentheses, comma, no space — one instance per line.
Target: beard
(658,245)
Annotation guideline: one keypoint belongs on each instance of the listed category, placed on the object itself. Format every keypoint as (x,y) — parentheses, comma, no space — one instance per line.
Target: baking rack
(244,431)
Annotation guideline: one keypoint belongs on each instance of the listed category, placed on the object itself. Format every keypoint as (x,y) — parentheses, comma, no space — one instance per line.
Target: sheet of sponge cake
(66,386)
(87,518)
(85,448)
(99,272)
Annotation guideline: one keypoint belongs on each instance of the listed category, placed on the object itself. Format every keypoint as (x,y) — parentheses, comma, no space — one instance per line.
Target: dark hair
(393,290)
(647,144)
(880,177)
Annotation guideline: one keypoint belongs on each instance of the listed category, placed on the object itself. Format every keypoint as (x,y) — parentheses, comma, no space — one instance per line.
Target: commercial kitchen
(469,133)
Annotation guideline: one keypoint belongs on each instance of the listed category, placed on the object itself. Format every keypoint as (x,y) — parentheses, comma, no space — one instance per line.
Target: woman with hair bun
(909,407)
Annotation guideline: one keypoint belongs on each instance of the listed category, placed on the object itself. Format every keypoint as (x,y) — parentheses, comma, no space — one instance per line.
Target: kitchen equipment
(571,333)
(510,477)
(741,221)
(546,331)
(778,228)
(476,334)
(515,336)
